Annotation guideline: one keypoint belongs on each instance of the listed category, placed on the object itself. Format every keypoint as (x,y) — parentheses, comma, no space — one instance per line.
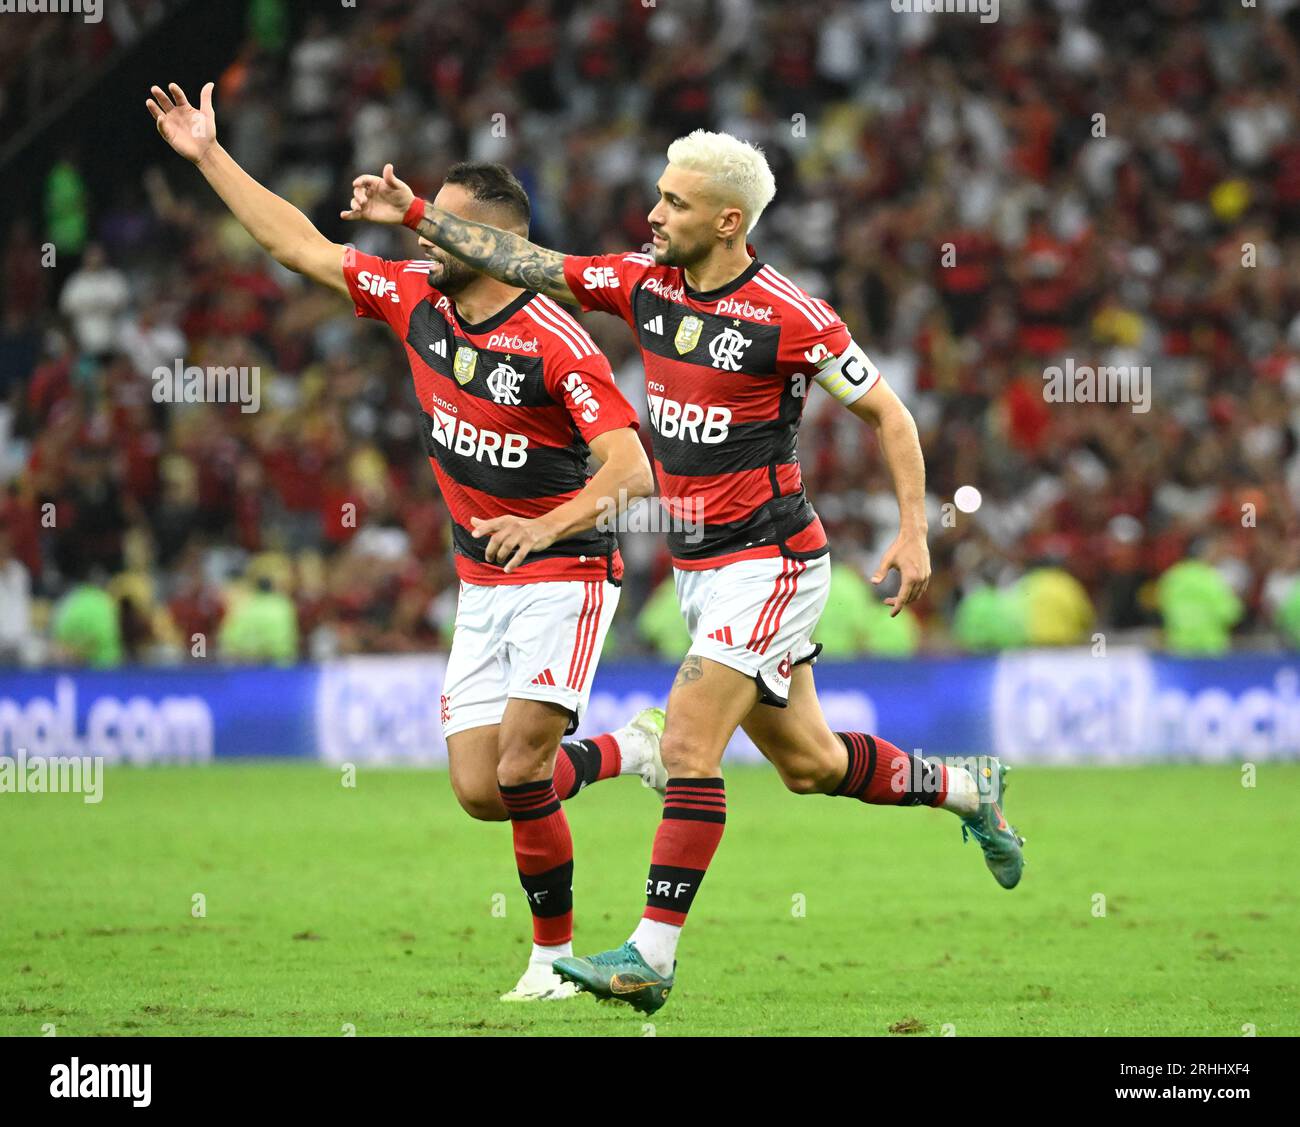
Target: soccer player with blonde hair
(731,346)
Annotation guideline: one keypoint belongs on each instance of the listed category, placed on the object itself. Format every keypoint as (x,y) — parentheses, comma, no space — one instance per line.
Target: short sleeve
(816,342)
(586,388)
(811,331)
(605,281)
(384,290)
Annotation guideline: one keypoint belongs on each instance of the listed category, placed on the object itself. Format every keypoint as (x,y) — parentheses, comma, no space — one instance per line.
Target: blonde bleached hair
(739,169)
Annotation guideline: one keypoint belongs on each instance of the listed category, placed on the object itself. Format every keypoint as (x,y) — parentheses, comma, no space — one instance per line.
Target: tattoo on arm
(692,670)
(505,256)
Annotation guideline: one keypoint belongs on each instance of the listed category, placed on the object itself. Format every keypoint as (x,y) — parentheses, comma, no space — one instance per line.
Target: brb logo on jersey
(582,397)
(378,285)
(464,438)
(727,348)
(503,382)
(600,278)
(688,421)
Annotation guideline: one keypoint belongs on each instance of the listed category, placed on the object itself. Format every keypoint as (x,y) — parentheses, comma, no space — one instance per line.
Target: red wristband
(414,214)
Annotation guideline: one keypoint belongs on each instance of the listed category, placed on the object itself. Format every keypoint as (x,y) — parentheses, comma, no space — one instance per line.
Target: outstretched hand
(191,132)
(380,199)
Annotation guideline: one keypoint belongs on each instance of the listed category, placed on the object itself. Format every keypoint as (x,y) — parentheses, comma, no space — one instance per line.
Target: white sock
(633,748)
(657,943)
(963,795)
(547,955)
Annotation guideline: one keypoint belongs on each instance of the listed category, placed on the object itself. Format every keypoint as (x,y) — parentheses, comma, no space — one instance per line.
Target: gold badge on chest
(464,364)
(688,334)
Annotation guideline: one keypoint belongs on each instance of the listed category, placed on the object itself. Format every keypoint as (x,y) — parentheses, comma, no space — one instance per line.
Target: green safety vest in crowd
(1288,616)
(660,623)
(1199,608)
(263,627)
(86,622)
(66,218)
(989,619)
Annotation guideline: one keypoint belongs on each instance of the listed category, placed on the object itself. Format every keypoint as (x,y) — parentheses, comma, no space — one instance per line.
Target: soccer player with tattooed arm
(730,345)
(514,396)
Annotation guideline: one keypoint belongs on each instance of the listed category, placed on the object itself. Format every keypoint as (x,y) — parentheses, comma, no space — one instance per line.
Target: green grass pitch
(376,907)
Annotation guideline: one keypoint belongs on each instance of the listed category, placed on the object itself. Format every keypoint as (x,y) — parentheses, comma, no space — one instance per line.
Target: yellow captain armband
(848,376)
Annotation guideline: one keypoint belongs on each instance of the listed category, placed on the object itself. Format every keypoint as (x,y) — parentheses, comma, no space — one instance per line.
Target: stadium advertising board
(1030,707)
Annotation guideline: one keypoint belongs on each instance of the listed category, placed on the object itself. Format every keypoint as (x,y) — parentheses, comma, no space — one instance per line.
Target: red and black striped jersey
(727,374)
(509,406)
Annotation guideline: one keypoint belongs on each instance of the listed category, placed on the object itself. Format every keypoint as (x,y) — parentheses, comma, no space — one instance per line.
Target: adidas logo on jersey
(545,677)
(722,634)
(440,347)
(655,324)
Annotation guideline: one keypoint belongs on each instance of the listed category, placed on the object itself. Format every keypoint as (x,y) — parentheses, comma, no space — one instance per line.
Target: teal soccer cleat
(998,839)
(621,975)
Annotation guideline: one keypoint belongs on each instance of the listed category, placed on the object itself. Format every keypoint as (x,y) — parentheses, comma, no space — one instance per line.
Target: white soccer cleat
(540,983)
(643,732)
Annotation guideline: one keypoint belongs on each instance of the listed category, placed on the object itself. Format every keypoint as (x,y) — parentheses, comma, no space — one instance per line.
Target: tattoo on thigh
(692,670)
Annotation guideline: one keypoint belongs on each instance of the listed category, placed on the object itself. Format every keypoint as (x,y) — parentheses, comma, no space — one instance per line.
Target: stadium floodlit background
(1084,182)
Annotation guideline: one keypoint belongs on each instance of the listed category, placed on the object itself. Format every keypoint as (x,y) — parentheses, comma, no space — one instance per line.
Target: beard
(680,254)
(450,275)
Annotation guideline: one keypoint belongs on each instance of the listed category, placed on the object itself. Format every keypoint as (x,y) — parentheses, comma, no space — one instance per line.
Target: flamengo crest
(503,382)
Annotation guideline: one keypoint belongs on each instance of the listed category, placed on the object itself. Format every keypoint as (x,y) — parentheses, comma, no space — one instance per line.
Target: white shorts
(757,616)
(539,641)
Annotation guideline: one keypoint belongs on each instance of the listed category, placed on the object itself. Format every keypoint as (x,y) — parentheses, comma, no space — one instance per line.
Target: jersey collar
(727,287)
(497,319)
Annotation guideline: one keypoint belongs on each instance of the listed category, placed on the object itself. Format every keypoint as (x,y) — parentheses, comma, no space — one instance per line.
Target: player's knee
(808,769)
(485,806)
(804,778)
(523,761)
(685,756)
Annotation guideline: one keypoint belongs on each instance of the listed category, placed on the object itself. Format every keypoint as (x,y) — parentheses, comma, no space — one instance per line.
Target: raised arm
(287,235)
(508,257)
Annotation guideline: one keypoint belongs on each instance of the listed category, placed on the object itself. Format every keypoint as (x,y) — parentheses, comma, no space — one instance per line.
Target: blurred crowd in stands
(1092,180)
(44,54)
